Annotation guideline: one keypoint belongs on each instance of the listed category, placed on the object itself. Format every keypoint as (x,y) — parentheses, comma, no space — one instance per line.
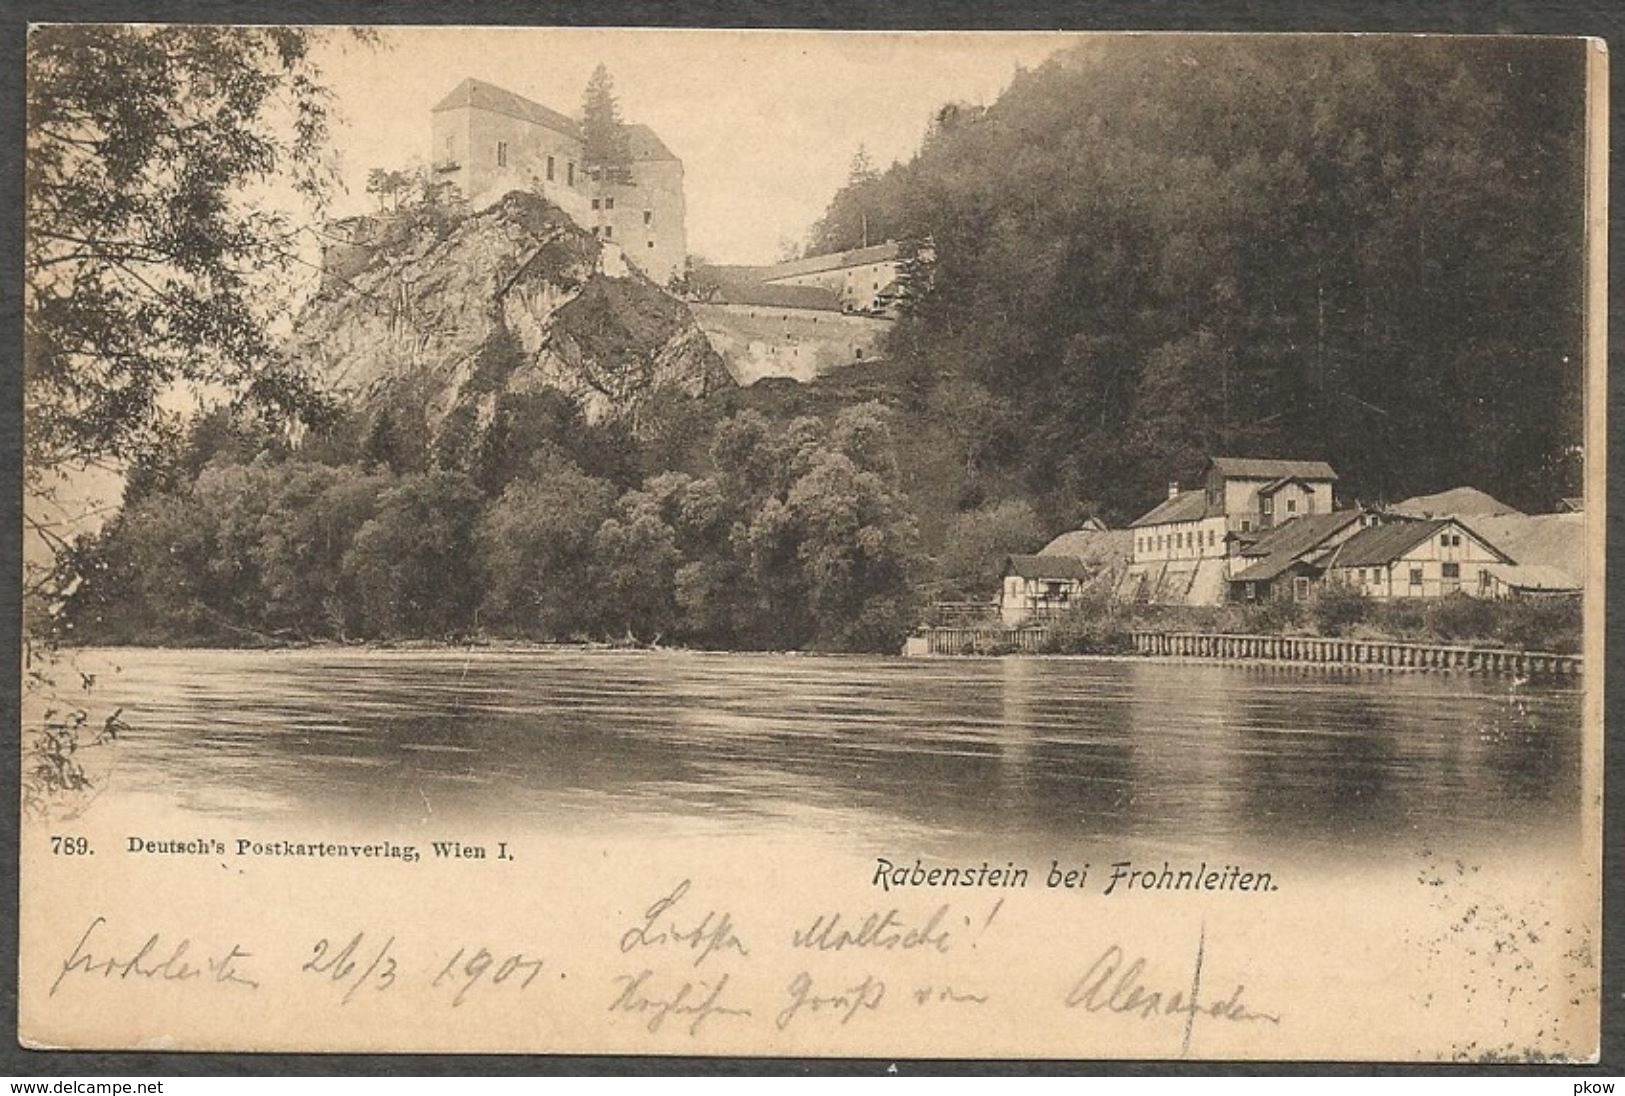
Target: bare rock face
(515,297)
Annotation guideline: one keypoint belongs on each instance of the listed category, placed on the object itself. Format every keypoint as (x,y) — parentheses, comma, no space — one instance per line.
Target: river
(936,754)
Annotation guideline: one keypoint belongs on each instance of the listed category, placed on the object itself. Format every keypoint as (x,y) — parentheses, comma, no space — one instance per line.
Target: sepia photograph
(912,544)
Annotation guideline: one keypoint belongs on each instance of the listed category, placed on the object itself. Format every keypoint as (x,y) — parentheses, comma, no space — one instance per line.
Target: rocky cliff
(515,297)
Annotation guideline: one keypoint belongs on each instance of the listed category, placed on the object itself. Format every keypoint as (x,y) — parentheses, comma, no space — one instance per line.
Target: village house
(1289,560)
(489,141)
(1035,587)
(1181,547)
(1089,557)
(1548,549)
(1416,558)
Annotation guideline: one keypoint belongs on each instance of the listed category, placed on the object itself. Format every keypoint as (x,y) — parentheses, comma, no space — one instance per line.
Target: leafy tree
(382,447)
(854,549)
(412,566)
(144,266)
(312,517)
(389,186)
(978,540)
(536,554)
(635,560)
(145,577)
(862,169)
(866,210)
(606,151)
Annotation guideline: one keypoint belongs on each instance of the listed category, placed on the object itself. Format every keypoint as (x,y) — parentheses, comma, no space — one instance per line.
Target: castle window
(570,173)
(595,203)
(609,203)
(550,169)
(651,243)
(648,216)
(609,230)
(502,154)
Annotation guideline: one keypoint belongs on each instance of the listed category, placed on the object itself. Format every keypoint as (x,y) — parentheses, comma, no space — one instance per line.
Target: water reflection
(1012,750)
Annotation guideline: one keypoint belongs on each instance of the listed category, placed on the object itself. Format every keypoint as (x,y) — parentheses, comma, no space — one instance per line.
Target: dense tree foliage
(1149,251)
(792,535)
(146,264)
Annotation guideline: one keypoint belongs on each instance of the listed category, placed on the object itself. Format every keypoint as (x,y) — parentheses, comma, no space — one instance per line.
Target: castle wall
(474,140)
(647,218)
(856,286)
(757,341)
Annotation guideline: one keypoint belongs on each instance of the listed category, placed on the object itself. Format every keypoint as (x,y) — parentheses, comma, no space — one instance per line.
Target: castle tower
(489,141)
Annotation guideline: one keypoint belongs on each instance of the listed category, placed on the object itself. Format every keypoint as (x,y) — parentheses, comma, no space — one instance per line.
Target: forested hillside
(1364,250)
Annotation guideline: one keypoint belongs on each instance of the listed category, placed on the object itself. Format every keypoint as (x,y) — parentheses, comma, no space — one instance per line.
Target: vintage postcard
(766,543)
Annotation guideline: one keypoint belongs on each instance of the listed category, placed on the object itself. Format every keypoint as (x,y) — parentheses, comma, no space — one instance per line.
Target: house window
(1416,576)
(1376,575)
(648,216)
(595,203)
(1210,540)
(502,154)
(1267,504)
(1246,525)
(1451,570)
(448,149)
(1300,588)
(609,231)
(1292,506)
(550,169)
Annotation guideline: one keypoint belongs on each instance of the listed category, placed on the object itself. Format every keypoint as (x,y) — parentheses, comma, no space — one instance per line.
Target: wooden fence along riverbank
(1304,650)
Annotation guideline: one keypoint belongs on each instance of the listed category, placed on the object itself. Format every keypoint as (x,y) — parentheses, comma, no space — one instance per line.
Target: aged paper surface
(625,822)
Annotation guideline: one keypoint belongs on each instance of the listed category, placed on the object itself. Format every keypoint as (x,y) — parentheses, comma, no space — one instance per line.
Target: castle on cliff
(489,141)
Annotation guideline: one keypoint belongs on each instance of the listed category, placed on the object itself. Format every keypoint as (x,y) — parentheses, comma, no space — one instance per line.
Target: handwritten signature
(154,961)
(1113,983)
(714,932)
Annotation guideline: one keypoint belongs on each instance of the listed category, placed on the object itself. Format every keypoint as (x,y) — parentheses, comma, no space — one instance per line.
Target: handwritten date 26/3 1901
(355,965)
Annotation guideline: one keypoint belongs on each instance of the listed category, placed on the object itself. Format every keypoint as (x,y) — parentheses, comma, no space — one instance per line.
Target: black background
(1599,18)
